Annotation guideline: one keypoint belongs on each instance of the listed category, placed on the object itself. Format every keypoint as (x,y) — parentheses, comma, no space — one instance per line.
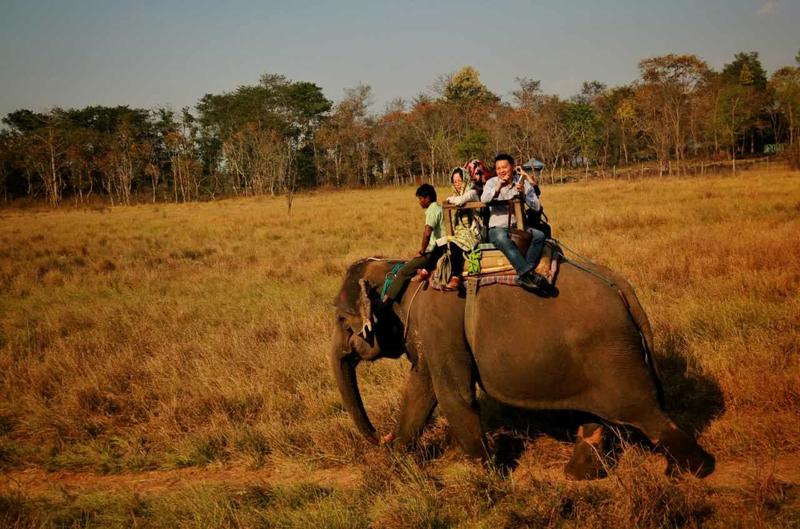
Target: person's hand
(531,178)
(521,186)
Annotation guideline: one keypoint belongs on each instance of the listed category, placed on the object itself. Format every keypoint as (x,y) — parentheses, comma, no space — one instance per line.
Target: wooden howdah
(491,260)
(450,209)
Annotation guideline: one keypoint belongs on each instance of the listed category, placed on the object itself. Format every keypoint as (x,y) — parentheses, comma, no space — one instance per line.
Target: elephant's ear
(349,296)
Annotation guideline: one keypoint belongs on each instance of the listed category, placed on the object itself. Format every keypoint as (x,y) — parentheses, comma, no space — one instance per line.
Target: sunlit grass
(178,335)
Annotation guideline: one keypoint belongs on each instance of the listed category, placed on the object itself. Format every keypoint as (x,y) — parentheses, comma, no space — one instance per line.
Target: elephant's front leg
(416,408)
(454,385)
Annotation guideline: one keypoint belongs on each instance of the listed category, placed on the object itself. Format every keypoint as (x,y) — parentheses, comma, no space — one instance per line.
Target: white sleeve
(531,198)
(488,191)
(471,196)
(460,200)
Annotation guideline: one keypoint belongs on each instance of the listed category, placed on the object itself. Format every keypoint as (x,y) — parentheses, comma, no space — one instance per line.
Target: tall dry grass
(179,335)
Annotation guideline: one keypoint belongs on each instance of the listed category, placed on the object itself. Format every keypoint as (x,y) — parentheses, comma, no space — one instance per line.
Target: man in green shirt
(429,252)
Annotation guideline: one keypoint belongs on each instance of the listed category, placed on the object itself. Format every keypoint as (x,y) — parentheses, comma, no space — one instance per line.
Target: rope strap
(587,262)
(408,311)
(470,312)
(390,277)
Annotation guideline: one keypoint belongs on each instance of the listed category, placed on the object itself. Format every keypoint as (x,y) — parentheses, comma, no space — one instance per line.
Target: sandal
(453,284)
(422,275)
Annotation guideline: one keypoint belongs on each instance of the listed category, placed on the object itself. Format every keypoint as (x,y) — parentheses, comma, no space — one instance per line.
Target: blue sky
(146,53)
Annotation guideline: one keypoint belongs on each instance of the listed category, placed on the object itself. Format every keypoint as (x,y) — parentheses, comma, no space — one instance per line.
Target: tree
(472,101)
(590,91)
(667,88)
(745,79)
(6,161)
(396,143)
(182,164)
(583,129)
(125,157)
(304,106)
(435,123)
(82,156)
(529,94)
(746,69)
(42,141)
(552,136)
(238,129)
(733,115)
(346,137)
(522,124)
(625,116)
(465,86)
(785,84)
(472,145)
(604,102)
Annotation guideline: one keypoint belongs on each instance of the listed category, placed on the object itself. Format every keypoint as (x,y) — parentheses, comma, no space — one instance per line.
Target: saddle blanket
(508,277)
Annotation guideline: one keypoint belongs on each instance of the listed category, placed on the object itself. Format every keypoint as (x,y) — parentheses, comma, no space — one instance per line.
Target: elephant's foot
(587,458)
(684,454)
(399,442)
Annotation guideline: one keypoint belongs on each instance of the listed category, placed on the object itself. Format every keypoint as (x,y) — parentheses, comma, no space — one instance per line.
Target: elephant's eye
(349,323)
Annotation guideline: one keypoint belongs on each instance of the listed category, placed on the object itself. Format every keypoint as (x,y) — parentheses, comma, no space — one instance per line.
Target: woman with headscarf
(466,230)
(478,174)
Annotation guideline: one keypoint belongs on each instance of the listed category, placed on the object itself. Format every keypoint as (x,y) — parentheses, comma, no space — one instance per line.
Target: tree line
(281,135)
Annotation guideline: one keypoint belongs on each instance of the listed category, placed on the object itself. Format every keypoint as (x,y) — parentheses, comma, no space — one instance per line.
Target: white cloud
(767,8)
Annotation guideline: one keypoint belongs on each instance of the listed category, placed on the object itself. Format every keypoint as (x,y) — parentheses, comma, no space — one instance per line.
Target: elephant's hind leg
(588,457)
(681,450)
(416,408)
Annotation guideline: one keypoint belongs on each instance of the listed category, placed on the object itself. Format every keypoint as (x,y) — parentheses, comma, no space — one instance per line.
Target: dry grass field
(166,366)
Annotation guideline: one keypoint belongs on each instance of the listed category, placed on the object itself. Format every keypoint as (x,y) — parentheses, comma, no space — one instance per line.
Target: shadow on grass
(692,399)
(511,428)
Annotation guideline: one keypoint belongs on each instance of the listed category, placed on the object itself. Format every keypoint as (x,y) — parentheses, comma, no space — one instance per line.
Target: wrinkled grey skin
(586,349)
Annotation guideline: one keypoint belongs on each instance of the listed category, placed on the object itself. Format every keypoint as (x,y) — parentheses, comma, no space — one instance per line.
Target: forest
(281,135)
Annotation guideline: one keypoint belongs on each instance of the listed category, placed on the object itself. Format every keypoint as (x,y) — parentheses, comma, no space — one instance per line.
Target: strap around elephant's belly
(470,311)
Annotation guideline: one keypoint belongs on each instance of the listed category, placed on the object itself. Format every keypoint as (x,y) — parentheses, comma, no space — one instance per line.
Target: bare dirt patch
(36,481)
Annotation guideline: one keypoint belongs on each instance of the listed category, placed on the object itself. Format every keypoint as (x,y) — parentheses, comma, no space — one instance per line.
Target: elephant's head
(361,332)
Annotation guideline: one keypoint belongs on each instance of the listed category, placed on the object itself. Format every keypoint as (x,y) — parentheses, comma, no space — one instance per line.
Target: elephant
(588,348)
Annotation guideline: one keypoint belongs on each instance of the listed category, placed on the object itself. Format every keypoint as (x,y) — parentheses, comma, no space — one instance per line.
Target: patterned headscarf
(467,183)
(475,166)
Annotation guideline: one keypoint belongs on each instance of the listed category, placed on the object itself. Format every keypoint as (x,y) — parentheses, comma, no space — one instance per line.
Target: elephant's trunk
(344,368)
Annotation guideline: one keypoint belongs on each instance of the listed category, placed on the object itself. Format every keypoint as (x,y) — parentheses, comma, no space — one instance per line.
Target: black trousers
(428,262)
